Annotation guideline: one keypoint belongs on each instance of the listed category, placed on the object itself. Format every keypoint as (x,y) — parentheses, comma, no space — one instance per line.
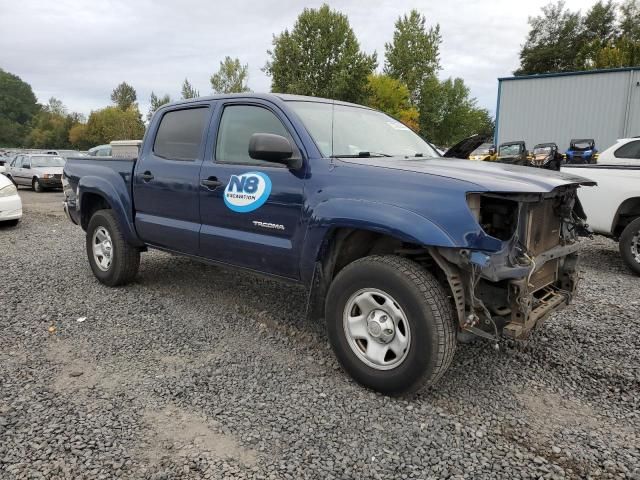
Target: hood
(49,170)
(486,176)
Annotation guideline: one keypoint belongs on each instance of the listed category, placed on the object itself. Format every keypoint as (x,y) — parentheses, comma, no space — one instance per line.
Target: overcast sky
(79,50)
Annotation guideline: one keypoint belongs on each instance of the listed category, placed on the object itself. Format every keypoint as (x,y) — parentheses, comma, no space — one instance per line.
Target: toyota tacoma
(402,252)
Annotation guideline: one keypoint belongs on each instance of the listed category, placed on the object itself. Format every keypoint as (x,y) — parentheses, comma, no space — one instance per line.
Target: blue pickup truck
(403,252)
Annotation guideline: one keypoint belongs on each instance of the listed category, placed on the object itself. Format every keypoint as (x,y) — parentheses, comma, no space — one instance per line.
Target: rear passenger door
(251,209)
(167,178)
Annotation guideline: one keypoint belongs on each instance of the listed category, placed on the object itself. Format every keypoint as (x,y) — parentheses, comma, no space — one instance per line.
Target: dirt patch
(174,432)
(549,412)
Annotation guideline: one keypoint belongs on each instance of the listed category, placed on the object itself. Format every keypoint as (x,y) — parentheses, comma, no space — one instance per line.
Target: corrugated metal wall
(604,106)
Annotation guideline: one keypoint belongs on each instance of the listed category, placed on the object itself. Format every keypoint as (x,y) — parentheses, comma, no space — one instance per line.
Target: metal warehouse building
(599,104)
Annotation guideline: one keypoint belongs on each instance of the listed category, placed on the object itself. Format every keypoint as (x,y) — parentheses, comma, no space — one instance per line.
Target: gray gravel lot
(199,372)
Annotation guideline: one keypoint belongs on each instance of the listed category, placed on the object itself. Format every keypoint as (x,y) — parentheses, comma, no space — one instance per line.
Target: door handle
(211,183)
(146,176)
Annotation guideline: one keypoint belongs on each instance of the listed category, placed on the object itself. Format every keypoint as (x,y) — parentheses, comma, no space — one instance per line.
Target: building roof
(569,74)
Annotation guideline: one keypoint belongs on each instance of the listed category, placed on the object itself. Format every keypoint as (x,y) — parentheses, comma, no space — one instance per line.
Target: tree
(155,103)
(320,56)
(391,96)
(552,43)
(51,126)
(448,114)
(124,96)
(414,53)
(232,77)
(112,123)
(18,105)
(55,106)
(188,91)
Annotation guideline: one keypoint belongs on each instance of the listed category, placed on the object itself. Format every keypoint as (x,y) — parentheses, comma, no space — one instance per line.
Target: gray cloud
(79,51)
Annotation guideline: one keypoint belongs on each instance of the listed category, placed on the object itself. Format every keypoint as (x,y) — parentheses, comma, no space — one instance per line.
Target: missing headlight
(496,215)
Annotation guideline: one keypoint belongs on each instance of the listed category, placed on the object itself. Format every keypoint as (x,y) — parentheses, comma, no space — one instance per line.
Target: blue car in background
(582,150)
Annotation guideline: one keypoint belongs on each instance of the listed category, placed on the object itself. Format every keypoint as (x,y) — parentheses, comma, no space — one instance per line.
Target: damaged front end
(533,274)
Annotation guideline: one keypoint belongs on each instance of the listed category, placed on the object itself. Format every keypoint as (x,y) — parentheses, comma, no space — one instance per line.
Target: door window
(629,150)
(237,125)
(17,163)
(180,133)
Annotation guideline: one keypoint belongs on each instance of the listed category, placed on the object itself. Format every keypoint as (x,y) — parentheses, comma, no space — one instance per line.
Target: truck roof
(287,97)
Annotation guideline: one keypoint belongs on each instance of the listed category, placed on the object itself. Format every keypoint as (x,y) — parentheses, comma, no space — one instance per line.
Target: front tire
(113,261)
(630,246)
(35,184)
(390,324)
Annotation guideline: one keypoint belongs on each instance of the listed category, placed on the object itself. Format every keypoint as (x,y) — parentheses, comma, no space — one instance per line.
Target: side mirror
(273,148)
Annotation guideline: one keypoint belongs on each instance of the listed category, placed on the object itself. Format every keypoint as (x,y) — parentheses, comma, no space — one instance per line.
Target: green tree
(321,57)
(188,91)
(448,114)
(391,96)
(113,123)
(124,96)
(232,77)
(155,103)
(51,126)
(18,105)
(552,43)
(414,53)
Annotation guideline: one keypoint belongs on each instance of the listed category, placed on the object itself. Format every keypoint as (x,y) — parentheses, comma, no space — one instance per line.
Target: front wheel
(35,184)
(113,261)
(390,324)
(630,245)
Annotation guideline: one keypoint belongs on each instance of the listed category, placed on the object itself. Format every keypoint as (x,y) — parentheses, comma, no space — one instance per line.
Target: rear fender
(119,201)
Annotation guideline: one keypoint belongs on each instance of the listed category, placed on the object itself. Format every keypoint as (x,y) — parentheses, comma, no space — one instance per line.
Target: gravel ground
(198,372)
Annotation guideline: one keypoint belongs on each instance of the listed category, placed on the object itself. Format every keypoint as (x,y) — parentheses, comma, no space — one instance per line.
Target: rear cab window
(180,134)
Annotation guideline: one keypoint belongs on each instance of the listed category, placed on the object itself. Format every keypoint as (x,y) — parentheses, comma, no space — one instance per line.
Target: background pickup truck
(613,207)
(399,249)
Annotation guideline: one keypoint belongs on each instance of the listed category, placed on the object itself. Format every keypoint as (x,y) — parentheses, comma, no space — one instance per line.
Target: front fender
(118,199)
(367,215)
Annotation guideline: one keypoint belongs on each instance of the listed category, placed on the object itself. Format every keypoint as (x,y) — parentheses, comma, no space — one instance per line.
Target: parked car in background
(66,153)
(485,152)
(581,150)
(10,202)
(613,207)
(626,151)
(514,153)
(100,151)
(400,250)
(546,155)
(39,171)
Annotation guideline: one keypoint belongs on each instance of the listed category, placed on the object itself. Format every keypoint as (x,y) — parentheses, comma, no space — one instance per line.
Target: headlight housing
(8,191)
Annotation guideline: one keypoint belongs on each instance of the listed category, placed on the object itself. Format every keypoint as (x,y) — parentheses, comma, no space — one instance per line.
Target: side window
(180,133)
(103,152)
(628,150)
(17,162)
(237,125)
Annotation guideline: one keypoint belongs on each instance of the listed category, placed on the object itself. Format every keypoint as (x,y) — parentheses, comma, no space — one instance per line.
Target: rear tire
(419,343)
(113,261)
(12,223)
(630,246)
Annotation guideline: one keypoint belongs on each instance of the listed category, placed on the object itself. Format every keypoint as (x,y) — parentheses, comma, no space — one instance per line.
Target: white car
(626,151)
(10,203)
(613,207)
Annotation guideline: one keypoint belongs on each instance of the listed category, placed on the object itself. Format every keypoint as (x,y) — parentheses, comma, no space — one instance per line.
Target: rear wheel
(630,245)
(390,324)
(113,261)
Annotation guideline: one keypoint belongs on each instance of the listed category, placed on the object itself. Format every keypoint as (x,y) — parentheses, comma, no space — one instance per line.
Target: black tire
(630,246)
(125,259)
(427,310)
(12,223)
(35,184)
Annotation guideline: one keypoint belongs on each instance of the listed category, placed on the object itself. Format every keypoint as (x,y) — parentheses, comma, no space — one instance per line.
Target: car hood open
(489,176)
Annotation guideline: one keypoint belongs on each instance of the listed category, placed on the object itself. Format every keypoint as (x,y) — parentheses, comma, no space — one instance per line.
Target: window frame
(636,143)
(298,152)
(203,138)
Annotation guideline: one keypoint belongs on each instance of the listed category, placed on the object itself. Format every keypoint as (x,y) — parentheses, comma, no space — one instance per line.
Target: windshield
(542,151)
(581,145)
(506,150)
(345,131)
(47,162)
(483,149)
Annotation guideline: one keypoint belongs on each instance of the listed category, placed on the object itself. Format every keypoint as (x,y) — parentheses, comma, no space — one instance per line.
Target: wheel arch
(628,211)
